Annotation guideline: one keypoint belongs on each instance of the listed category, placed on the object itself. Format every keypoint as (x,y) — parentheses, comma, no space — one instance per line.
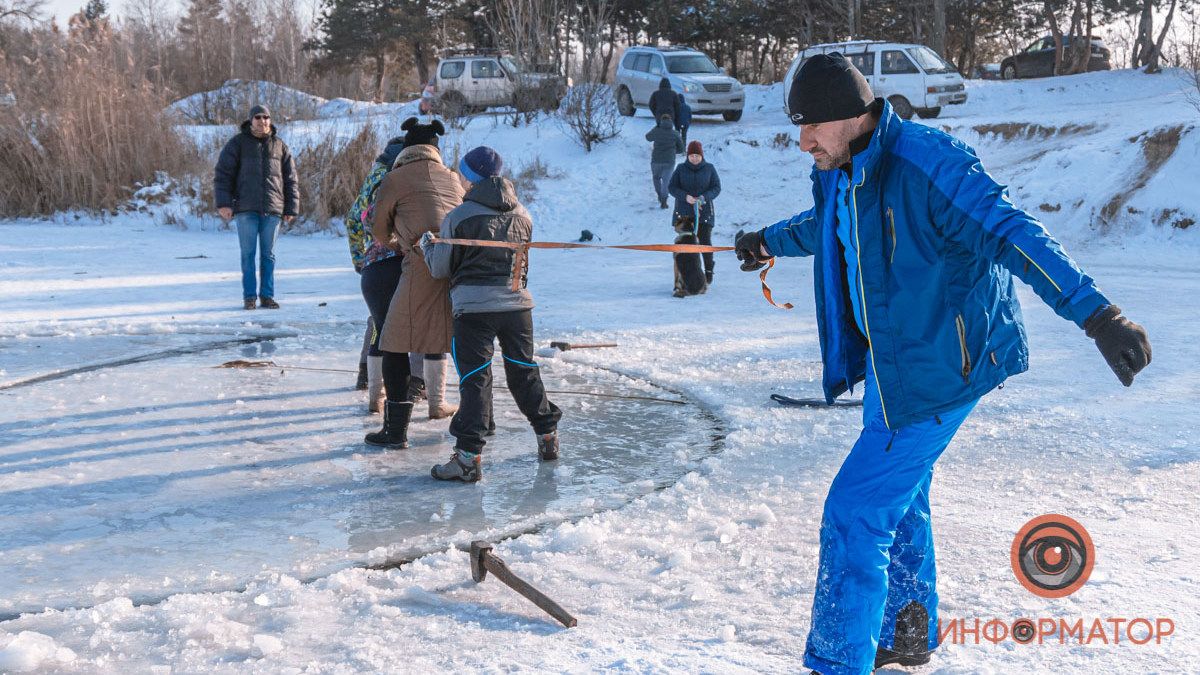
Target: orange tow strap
(521,259)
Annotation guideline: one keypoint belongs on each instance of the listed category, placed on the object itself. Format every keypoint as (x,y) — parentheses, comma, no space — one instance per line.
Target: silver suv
(706,88)
(469,80)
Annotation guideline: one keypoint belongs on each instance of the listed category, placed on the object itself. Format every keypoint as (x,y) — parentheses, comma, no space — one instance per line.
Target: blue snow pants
(876,540)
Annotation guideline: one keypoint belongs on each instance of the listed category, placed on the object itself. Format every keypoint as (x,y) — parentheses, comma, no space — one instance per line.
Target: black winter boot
(394,433)
(911,644)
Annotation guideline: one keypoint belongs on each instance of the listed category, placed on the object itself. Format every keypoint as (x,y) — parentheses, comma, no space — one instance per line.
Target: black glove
(1122,343)
(749,247)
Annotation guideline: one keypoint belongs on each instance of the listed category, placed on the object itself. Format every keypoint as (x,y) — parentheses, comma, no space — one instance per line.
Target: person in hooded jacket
(413,199)
(915,249)
(486,308)
(664,101)
(667,145)
(255,184)
(695,185)
(684,121)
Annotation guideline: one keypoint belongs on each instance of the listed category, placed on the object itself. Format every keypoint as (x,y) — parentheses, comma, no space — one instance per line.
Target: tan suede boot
(435,389)
(375,392)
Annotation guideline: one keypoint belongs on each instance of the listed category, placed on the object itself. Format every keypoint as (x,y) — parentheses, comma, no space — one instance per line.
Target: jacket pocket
(965,353)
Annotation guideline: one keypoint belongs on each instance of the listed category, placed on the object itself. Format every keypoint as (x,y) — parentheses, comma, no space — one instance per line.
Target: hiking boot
(248,303)
(394,433)
(548,446)
(361,383)
(268,303)
(462,466)
(887,657)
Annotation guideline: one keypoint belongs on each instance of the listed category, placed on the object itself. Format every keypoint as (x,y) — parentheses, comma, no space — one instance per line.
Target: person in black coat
(685,118)
(255,183)
(695,182)
(664,102)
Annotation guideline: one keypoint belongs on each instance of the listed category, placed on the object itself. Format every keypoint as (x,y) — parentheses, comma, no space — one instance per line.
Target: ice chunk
(29,651)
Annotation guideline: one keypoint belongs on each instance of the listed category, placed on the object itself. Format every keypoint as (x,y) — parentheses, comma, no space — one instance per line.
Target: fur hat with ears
(417,133)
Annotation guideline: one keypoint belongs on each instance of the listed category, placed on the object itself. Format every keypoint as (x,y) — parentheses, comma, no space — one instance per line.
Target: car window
(929,60)
(452,70)
(1034,47)
(627,62)
(692,63)
(656,65)
(864,61)
(485,68)
(643,63)
(896,63)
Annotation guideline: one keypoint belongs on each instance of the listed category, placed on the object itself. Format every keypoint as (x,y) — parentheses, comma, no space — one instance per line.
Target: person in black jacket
(255,183)
(694,185)
(664,101)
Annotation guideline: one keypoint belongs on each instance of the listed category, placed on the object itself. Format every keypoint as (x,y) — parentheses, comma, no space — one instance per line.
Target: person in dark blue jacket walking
(684,121)
(694,185)
(915,247)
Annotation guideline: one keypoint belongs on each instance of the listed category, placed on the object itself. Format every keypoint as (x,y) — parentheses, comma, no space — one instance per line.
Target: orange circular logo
(1053,556)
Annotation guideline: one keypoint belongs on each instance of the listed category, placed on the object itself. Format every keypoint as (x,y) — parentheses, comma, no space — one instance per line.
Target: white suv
(706,88)
(913,78)
(469,79)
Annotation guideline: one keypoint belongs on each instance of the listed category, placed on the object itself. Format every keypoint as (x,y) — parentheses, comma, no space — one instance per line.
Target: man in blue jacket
(915,247)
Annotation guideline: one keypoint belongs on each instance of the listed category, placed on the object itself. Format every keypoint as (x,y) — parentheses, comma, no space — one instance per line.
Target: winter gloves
(749,248)
(1122,343)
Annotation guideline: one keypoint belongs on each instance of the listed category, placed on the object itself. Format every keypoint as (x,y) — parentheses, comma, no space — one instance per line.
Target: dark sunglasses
(262,117)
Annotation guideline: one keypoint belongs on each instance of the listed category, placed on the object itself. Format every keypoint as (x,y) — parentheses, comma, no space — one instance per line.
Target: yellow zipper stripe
(862,294)
(1039,267)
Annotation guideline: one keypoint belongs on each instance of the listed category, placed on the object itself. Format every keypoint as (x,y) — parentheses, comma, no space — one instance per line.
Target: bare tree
(28,10)
(589,115)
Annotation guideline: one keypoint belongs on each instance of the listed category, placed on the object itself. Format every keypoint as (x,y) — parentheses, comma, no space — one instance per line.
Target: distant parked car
(705,87)
(986,71)
(913,78)
(1037,60)
(477,79)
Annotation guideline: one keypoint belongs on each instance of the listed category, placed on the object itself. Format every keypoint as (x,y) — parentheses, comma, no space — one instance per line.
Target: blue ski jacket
(938,243)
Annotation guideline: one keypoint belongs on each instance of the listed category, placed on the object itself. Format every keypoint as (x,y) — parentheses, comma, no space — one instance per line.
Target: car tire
(929,113)
(732,115)
(1009,72)
(902,107)
(625,102)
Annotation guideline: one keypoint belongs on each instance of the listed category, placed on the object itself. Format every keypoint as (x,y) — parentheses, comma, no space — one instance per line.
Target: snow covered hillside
(231,501)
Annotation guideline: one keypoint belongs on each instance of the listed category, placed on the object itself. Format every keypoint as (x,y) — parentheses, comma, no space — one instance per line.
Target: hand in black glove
(1122,343)
(749,249)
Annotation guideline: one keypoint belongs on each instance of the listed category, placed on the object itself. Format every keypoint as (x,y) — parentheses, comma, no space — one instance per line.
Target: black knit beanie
(828,88)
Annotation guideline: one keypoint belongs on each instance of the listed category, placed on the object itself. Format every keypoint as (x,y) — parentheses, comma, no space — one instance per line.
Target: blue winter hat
(481,163)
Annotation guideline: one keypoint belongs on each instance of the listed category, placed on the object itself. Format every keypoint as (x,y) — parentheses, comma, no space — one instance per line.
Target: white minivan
(913,78)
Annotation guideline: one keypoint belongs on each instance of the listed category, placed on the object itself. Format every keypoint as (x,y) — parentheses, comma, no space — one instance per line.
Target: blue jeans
(877,543)
(257,230)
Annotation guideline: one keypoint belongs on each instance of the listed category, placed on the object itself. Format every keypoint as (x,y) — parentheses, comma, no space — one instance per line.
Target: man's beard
(826,161)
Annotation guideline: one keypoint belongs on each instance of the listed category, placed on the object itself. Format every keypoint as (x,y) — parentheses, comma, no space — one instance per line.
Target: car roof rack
(672,48)
(848,43)
(451,52)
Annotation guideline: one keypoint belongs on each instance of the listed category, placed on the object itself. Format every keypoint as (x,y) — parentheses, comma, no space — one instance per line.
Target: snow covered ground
(714,573)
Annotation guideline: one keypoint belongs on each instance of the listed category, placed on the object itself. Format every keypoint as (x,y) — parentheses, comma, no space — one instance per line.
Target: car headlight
(737,86)
(691,88)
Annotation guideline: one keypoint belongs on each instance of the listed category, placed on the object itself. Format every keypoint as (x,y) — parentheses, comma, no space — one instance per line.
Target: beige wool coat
(413,199)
